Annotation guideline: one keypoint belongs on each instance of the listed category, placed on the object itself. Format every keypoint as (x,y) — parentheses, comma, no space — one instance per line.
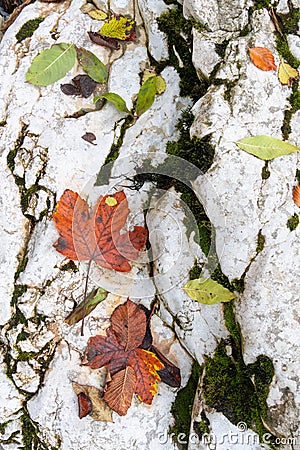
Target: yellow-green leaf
(146,96)
(207,291)
(160,82)
(118,27)
(286,73)
(51,64)
(116,99)
(266,147)
(81,311)
(92,65)
(97,14)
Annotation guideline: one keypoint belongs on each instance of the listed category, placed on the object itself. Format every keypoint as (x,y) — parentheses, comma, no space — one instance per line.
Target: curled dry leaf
(104,41)
(90,401)
(96,236)
(89,137)
(262,58)
(296,195)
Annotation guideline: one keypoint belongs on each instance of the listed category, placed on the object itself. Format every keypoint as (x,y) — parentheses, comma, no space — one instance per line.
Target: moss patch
(28,28)
(293,222)
(183,405)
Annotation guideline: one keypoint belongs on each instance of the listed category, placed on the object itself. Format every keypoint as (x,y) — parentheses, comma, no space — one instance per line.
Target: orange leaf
(145,365)
(119,391)
(262,58)
(96,236)
(296,195)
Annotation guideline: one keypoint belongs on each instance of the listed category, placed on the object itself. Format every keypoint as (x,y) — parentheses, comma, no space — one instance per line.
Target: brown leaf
(104,41)
(91,402)
(85,84)
(128,322)
(89,137)
(262,58)
(119,391)
(296,195)
(70,89)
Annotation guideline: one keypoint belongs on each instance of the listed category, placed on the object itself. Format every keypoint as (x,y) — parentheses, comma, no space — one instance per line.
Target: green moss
(69,266)
(3,123)
(294,100)
(202,428)
(229,86)
(260,4)
(179,38)
(195,271)
(298,175)
(28,28)
(232,326)
(238,284)
(285,52)
(289,23)
(219,276)
(261,240)
(265,173)
(19,290)
(183,404)
(228,388)
(22,336)
(293,222)
(31,439)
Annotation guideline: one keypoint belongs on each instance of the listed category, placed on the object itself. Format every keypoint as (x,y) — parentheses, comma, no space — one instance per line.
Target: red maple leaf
(132,369)
(97,236)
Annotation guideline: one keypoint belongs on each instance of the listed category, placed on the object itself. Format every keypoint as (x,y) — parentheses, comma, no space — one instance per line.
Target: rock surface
(248,203)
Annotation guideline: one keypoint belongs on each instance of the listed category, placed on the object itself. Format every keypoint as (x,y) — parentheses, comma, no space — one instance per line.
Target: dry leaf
(286,73)
(296,195)
(91,402)
(262,58)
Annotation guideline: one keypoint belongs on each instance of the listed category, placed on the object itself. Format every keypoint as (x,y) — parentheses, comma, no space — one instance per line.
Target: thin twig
(85,296)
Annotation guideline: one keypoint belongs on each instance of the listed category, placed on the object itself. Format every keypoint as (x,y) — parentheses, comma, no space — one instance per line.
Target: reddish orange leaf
(119,391)
(262,58)
(145,365)
(97,236)
(84,405)
(296,195)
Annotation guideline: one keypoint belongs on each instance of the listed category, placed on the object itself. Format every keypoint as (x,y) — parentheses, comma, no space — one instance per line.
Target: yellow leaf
(286,73)
(160,82)
(97,14)
(119,27)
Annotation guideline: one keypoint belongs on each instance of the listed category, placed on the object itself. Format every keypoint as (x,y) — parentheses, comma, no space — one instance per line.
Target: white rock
(25,377)
(204,51)
(294,44)
(283,7)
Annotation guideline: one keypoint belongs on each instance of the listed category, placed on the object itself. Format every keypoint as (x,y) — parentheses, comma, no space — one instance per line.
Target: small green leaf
(266,147)
(92,65)
(51,64)
(116,99)
(92,300)
(146,96)
(207,291)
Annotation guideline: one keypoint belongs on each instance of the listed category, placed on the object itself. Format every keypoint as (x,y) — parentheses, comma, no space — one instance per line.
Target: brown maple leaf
(119,350)
(97,236)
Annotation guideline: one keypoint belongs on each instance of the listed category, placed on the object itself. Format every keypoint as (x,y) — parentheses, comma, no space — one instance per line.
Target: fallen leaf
(266,147)
(70,89)
(119,27)
(146,95)
(160,82)
(104,41)
(89,137)
(116,99)
(97,236)
(85,84)
(90,401)
(92,65)
(51,64)
(207,291)
(119,392)
(296,195)
(97,14)
(86,307)
(132,369)
(286,73)
(169,374)
(262,58)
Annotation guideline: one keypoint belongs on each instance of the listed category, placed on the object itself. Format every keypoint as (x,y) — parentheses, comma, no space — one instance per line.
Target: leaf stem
(85,297)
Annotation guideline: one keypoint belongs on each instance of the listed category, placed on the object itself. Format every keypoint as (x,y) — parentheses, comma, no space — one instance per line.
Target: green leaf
(92,65)
(146,96)
(51,64)
(116,99)
(92,300)
(207,291)
(266,147)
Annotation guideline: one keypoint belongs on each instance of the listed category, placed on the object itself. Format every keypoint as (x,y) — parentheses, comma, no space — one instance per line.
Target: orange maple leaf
(97,236)
(262,58)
